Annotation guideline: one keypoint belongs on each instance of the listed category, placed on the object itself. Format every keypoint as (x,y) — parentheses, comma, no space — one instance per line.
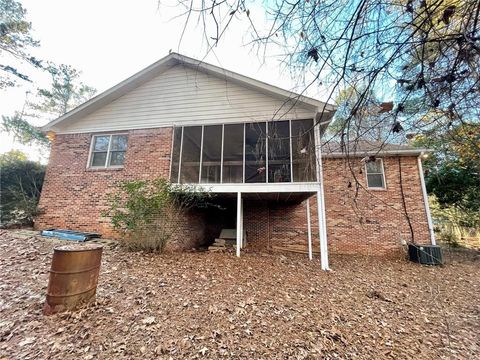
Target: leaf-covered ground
(258,306)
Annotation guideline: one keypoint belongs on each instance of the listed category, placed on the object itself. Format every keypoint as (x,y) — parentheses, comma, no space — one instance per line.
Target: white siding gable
(184,96)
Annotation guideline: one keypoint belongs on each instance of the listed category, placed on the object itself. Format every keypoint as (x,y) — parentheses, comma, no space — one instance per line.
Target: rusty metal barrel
(73,276)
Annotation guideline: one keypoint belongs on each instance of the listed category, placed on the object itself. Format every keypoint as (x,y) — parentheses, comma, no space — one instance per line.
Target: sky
(111,40)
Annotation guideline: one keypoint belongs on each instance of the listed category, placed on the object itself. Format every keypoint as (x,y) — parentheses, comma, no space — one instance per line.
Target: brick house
(252,144)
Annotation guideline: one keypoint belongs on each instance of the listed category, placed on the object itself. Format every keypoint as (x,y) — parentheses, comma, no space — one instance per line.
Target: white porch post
(322,223)
(425,202)
(239,222)
(309,230)
(242,238)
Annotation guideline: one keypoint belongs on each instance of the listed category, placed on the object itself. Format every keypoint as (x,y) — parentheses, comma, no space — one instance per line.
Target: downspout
(324,259)
(322,228)
(425,201)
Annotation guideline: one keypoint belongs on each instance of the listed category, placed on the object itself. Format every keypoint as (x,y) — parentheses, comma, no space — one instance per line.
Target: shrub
(20,187)
(147,211)
(449,237)
(454,224)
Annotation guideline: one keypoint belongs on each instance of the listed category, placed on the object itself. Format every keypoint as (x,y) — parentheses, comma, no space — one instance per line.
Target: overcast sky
(111,40)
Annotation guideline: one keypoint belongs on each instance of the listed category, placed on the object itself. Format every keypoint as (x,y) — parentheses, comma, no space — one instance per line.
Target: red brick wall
(73,196)
(358,221)
(256,216)
(276,224)
(373,222)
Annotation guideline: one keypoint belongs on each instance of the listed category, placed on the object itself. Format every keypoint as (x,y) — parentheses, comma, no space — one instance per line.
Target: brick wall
(74,197)
(278,224)
(358,221)
(373,221)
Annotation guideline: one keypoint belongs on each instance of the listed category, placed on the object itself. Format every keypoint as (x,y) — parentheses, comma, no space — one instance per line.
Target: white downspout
(322,223)
(425,201)
(323,233)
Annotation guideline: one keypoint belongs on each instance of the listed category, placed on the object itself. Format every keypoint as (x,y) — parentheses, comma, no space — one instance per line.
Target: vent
(425,254)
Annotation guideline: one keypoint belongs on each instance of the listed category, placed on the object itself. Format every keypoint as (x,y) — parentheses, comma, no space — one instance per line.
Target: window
(375,174)
(108,151)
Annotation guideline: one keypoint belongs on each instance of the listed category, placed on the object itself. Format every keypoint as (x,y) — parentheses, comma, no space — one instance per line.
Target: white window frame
(107,161)
(384,187)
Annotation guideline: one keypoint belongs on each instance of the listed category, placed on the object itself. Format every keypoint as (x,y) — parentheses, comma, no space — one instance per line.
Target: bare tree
(396,68)
(422,55)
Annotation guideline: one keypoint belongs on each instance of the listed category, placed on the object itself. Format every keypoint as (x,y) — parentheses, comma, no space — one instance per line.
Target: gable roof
(168,62)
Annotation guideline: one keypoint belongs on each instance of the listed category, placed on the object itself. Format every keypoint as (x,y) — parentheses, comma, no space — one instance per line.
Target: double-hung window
(375,174)
(108,151)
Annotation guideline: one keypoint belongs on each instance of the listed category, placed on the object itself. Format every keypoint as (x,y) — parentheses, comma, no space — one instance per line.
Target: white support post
(221,154)
(239,222)
(201,157)
(425,202)
(309,229)
(266,151)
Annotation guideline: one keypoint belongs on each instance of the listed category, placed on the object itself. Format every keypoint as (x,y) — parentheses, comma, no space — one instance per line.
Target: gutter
(400,152)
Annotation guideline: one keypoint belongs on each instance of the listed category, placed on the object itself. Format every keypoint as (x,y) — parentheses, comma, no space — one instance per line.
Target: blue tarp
(69,234)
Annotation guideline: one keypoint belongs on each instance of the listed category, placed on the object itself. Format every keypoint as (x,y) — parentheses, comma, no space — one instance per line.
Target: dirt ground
(258,306)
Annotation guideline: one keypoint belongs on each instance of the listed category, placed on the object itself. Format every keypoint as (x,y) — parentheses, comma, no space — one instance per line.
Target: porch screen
(255,153)
(303,151)
(211,154)
(190,165)
(272,152)
(279,151)
(177,140)
(233,153)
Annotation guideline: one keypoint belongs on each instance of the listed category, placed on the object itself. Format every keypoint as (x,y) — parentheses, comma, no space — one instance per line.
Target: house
(254,145)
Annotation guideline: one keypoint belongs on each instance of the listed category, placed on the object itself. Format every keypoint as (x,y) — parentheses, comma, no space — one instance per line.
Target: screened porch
(248,153)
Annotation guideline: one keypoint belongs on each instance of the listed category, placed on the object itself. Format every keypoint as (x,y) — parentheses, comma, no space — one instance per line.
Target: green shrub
(20,187)
(147,211)
(454,224)
(449,237)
